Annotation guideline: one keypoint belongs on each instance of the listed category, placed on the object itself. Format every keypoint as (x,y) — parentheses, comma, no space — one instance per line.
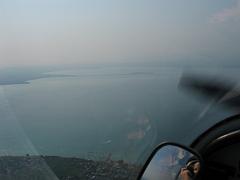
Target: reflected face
(196,168)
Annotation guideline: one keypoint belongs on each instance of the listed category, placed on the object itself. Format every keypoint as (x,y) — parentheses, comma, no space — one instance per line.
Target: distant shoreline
(25,80)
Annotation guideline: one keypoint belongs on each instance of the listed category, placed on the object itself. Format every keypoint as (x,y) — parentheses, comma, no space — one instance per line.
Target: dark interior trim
(223,142)
(222,124)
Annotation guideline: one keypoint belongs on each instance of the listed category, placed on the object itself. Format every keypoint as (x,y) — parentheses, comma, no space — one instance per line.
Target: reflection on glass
(172,163)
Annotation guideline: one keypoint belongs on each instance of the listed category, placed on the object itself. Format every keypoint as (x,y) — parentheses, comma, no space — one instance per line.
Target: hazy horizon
(51,32)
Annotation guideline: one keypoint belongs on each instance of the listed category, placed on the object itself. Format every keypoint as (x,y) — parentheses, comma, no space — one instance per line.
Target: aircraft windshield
(89,88)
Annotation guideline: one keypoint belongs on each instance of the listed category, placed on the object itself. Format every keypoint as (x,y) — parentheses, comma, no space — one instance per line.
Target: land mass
(60,168)
(24,75)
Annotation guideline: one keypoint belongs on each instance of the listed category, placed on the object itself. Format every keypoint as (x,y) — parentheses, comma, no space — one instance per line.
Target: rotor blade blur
(211,88)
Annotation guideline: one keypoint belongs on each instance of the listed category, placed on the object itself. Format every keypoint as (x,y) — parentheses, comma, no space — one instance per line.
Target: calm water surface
(119,113)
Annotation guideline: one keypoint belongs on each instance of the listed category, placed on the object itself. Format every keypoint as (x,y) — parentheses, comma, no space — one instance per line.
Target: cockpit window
(88,88)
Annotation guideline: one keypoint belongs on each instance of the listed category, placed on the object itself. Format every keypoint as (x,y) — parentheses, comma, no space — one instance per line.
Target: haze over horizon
(90,32)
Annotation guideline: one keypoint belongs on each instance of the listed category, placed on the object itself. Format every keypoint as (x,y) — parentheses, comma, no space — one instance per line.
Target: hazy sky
(96,31)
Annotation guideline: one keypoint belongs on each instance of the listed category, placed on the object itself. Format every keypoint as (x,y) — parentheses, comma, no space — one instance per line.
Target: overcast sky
(98,31)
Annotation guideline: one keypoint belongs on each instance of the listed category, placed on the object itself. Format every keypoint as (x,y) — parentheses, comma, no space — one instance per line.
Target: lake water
(98,113)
